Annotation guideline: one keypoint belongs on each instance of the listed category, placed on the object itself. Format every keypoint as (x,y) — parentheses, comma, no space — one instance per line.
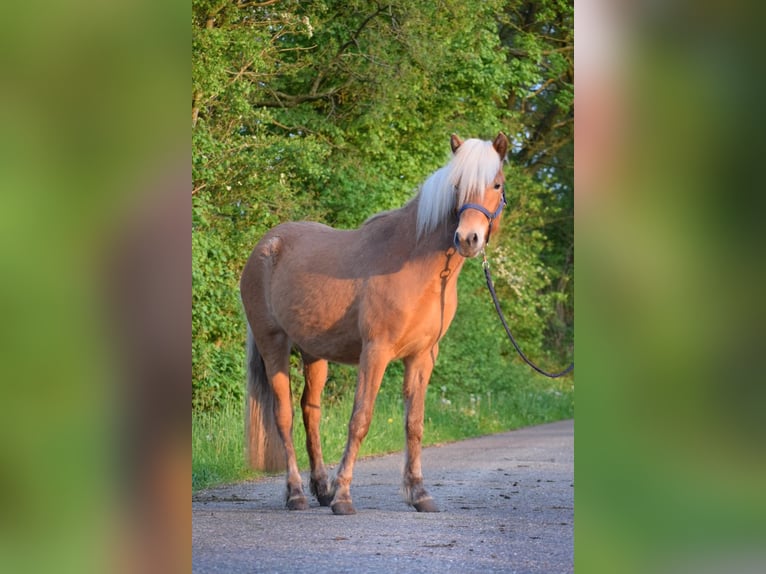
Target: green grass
(218,447)
(218,438)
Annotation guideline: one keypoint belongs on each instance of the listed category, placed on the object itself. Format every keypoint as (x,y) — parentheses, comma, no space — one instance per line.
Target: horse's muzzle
(469,245)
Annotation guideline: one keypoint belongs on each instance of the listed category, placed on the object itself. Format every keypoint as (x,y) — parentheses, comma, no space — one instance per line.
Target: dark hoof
(297,502)
(343,508)
(426,505)
(325,500)
(323,493)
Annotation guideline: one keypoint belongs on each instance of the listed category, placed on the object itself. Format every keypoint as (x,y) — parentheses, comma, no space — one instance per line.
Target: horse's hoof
(323,493)
(426,505)
(343,508)
(297,502)
(324,499)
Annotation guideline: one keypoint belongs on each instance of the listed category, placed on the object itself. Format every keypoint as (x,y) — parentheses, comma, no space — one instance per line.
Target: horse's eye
(498,186)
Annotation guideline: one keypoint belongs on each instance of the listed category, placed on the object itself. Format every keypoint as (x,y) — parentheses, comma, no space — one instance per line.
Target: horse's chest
(409,321)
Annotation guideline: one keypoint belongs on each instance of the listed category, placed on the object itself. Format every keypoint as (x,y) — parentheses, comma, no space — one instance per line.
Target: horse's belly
(322,322)
(332,349)
(338,343)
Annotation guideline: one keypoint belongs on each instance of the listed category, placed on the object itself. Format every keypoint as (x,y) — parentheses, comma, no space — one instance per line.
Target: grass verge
(218,438)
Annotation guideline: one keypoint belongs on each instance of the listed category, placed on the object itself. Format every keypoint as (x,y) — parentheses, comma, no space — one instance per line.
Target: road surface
(507,505)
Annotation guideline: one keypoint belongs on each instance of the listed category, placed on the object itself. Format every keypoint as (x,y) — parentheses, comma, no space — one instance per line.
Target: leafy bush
(217,329)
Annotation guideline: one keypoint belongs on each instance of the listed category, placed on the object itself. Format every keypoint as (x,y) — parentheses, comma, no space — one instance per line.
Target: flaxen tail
(263,446)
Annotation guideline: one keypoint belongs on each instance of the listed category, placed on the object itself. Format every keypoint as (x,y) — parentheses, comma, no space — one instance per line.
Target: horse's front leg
(417,373)
(372,365)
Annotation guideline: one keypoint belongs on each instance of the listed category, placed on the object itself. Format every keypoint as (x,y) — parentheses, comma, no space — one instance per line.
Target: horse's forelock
(464,179)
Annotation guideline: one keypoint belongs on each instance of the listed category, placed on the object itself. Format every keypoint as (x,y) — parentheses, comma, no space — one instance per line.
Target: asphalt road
(507,505)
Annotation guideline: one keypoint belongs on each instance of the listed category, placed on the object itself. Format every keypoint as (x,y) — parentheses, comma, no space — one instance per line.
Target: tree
(538,36)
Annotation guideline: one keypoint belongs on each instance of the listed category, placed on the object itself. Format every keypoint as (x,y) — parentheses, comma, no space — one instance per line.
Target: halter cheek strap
(490,216)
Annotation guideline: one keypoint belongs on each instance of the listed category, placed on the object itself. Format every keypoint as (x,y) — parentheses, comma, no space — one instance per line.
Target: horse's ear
(455,142)
(501,145)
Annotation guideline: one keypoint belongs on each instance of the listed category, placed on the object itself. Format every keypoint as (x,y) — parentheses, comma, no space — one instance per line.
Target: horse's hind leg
(417,373)
(277,362)
(315,373)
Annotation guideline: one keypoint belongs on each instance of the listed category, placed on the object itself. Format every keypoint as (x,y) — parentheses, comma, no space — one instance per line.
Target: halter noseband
(490,216)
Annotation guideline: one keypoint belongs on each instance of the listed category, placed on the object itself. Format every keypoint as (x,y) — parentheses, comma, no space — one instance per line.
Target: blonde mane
(472,168)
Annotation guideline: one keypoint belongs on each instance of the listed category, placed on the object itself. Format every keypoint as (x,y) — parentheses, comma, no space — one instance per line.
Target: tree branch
(255,4)
(525,53)
(211,15)
(283,100)
(351,41)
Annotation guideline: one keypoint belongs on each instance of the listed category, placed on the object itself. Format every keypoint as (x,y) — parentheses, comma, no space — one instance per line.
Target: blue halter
(490,216)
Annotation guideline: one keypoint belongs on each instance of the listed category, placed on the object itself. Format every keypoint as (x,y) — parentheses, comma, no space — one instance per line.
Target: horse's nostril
(470,240)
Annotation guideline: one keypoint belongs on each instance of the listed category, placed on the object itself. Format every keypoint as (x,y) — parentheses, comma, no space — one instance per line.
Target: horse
(383,292)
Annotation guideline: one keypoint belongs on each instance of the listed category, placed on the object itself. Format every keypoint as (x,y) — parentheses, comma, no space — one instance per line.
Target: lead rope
(491,288)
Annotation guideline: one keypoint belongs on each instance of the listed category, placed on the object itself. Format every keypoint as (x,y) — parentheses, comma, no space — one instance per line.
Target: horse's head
(479,215)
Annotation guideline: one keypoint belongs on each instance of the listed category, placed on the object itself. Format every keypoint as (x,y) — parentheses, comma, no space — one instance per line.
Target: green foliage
(527,275)
(333,111)
(217,346)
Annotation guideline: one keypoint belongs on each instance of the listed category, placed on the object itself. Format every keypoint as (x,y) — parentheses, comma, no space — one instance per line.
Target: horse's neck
(435,249)
(392,236)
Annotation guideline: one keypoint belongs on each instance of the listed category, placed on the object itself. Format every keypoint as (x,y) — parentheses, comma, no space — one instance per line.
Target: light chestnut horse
(386,291)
